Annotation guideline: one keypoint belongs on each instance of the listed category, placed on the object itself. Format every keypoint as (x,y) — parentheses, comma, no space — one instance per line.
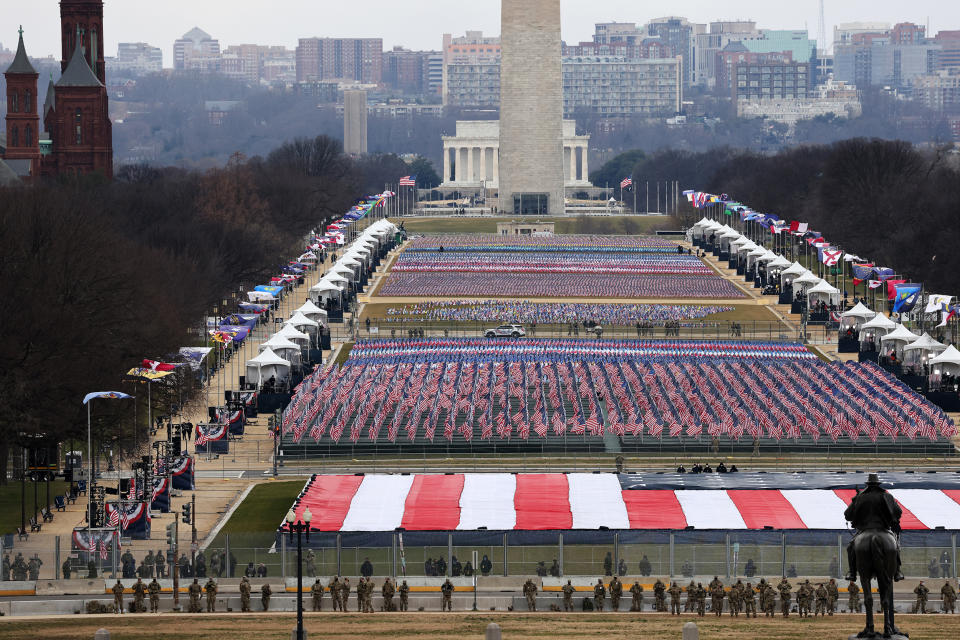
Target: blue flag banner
(907,295)
(108,395)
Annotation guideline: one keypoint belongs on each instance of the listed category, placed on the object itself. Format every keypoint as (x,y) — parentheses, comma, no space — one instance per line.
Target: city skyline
(406,25)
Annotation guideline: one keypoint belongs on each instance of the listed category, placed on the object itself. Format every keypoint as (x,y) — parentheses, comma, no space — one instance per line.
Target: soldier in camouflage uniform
(691,604)
(568,590)
(949,597)
(659,596)
(368,588)
(139,592)
(530,592)
(599,595)
(616,592)
(194,593)
(447,590)
(265,593)
(749,598)
(853,594)
(770,600)
(387,591)
(784,588)
(637,591)
(833,594)
(334,588)
(344,593)
(154,590)
(316,593)
(734,597)
(675,590)
(701,600)
(404,596)
(245,594)
(716,596)
(803,599)
(922,591)
(211,590)
(118,597)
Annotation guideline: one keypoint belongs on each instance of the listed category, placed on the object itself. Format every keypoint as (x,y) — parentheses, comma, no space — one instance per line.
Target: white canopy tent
(946,363)
(824,292)
(260,296)
(265,366)
(325,290)
(283,347)
(856,316)
(304,324)
(919,352)
(294,335)
(778,264)
(878,326)
(897,339)
(805,281)
(312,311)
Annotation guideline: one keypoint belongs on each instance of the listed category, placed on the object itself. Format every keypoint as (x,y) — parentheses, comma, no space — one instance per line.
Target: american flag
(202,438)
(408,181)
(114,517)
(627,182)
(104,549)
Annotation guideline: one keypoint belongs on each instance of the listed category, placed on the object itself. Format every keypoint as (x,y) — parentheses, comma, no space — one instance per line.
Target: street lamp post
(299,528)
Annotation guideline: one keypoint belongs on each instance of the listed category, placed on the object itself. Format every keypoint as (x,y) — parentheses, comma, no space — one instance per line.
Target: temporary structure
(897,339)
(294,335)
(283,347)
(948,362)
(921,350)
(856,317)
(824,291)
(313,312)
(267,365)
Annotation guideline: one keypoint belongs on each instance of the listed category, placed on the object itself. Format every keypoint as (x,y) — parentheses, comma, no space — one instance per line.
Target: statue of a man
(873,508)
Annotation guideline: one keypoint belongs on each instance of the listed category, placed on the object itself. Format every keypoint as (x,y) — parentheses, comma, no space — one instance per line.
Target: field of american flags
(643,393)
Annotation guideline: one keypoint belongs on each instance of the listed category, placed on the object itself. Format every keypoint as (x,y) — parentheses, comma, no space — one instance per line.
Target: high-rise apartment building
(409,71)
(893,58)
(680,35)
(709,43)
(618,87)
(473,54)
(356,59)
(138,58)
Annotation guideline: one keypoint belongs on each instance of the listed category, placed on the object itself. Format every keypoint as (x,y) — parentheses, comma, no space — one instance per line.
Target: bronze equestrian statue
(874,551)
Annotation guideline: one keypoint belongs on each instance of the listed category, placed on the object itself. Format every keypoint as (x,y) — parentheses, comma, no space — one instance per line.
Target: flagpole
(90,479)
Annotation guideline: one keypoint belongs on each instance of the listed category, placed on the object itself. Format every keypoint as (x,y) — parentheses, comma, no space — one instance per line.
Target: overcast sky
(419,24)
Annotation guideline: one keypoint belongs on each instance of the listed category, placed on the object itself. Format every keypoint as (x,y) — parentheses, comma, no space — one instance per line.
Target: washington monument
(531,108)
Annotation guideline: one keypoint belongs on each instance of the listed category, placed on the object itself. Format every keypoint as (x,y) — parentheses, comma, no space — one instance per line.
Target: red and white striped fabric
(529,502)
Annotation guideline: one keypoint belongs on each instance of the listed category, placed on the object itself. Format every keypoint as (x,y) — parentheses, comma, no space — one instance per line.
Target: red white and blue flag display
(586,501)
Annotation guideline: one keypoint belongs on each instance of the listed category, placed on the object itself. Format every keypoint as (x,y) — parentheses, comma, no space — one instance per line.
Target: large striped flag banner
(408,181)
(627,182)
(587,501)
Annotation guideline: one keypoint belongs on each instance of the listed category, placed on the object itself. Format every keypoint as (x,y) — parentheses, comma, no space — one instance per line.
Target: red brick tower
(87,16)
(79,122)
(23,122)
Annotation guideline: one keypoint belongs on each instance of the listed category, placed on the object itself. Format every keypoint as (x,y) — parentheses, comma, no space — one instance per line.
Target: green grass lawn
(261,512)
(605,225)
(10,501)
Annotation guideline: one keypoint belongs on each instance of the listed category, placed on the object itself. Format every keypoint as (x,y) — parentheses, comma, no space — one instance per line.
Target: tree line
(98,275)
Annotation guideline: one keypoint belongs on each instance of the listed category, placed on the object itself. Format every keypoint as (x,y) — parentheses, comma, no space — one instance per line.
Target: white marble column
(462,162)
(496,166)
(586,163)
(573,164)
(469,176)
(446,162)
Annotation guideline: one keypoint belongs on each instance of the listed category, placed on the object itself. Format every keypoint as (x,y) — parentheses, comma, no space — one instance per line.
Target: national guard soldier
(659,596)
(387,591)
(803,602)
(194,592)
(265,593)
(771,600)
(853,603)
(446,604)
(244,594)
(344,594)
(334,588)
(316,592)
(734,598)
(784,588)
(149,564)
(749,599)
(211,589)
(833,594)
(637,591)
(822,597)
(716,596)
(20,568)
(404,596)
(568,590)
(154,590)
(616,592)
(139,592)
(118,596)
(360,588)
(368,588)
(161,561)
(921,591)
(311,563)
(33,568)
(599,595)
(675,592)
(530,592)
(949,597)
(7,566)
(691,604)
(701,600)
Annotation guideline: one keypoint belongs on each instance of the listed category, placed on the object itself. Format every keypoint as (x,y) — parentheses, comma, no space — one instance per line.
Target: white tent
(778,264)
(312,311)
(350,261)
(897,339)
(302,323)
(739,242)
(805,281)
(874,328)
(795,269)
(283,347)
(948,362)
(265,366)
(825,291)
(747,248)
(334,276)
(294,335)
(919,352)
(856,317)
(769,256)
